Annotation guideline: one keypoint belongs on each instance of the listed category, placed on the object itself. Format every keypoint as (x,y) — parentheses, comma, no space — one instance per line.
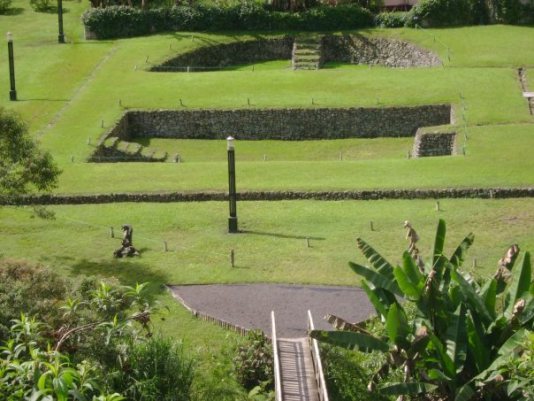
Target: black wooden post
(232,220)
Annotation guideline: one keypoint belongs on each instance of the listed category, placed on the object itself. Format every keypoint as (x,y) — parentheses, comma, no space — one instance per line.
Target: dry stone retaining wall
(447,193)
(223,55)
(283,124)
(358,49)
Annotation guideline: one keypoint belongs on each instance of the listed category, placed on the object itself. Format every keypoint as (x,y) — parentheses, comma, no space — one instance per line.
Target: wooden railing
(318,365)
(277,373)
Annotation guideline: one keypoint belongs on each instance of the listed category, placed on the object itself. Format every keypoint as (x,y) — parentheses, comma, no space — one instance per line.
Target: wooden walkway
(297,370)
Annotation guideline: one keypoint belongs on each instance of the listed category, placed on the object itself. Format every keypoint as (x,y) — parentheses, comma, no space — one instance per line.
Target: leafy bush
(30,289)
(154,370)
(435,13)
(4,5)
(347,373)
(391,19)
(28,372)
(462,331)
(254,362)
(122,21)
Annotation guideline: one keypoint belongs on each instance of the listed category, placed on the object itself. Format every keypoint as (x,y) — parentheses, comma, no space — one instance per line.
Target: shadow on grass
(13,11)
(42,100)
(127,271)
(52,10)
(279,235)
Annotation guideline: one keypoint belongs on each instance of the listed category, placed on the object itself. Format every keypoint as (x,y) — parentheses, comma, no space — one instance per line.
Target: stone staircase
(306,54)
(114,149)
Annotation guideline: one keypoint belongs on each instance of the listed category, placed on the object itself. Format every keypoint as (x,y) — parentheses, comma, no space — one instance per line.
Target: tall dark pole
(13,90)
(61,36)
(232,220)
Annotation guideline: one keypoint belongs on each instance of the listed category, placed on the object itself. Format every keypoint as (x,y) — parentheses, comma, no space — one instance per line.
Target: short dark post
(61,36)
(13,90)
(232,220)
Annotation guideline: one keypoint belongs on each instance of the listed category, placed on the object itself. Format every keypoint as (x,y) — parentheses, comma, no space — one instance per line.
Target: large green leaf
(528,313)
(446,363)
(379,300)
(376,260)
(519,285)
(477,347)
(465,393)
(456,338)
(439,242)
(489,293)
(516,341)
(407,388)
(377,279)
(458,256)
(397,326)
(350,340)
(473,299)
(410,290)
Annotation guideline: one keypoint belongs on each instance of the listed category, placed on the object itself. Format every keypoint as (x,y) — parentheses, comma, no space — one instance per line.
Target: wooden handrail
(318,365)
(277,374)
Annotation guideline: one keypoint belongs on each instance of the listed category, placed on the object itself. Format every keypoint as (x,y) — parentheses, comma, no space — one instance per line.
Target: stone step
(312,58)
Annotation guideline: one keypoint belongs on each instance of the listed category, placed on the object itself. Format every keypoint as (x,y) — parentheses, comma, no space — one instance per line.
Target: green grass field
(71,94)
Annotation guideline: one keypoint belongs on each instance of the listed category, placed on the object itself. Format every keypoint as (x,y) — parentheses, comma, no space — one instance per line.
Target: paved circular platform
(250,305)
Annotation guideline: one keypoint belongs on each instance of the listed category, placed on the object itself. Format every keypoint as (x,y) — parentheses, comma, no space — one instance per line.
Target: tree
(23,166)
(458,344)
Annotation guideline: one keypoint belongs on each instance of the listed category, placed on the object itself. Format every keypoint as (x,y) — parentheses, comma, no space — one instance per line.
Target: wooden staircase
(298,373)
(306,54)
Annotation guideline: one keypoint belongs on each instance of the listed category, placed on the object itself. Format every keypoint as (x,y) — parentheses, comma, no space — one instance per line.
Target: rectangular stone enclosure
(281,124)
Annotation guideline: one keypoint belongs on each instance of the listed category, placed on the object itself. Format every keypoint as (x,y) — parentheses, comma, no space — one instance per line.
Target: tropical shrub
(29,372)
(122,21)
(154,370)
(435,13)
(23,166)
(391,19)
(254,362)
(462,331)
(30,289)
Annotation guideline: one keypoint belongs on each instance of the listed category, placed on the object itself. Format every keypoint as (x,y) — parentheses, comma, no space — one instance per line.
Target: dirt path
(250,305)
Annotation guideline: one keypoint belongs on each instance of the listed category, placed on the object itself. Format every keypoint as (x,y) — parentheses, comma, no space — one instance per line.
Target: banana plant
(459,326)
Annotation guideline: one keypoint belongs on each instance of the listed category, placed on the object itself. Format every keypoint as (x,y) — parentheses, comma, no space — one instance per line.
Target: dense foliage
(463,333)
(31,289)
(23,166)
(30,372)
(95,339)
(436,13)
(254,362)
(156,369)
(122,21)
(391,19)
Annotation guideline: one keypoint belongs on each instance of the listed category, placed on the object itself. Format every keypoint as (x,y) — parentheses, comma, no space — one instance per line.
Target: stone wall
(446,193)
(354,49)
(358,49)
(429,142)
(223,55)
(286,124)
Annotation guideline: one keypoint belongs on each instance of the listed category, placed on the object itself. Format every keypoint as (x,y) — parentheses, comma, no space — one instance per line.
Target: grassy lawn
(272,247)
(69,91)
(71,94)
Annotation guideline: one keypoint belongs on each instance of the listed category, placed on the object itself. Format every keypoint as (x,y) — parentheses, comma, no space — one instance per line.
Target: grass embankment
(69,90)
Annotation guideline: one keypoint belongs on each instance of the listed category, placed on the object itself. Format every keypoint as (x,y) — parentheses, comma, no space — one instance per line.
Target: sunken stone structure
(305,52)
(359,49)
(434,142)
(281,124)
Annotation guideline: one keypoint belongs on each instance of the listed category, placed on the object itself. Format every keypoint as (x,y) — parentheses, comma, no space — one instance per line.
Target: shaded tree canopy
(23,166)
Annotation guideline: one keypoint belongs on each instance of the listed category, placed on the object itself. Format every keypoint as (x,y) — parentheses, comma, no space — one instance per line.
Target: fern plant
(462,330)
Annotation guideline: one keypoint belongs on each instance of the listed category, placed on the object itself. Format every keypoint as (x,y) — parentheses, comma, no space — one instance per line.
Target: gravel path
(250,305)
